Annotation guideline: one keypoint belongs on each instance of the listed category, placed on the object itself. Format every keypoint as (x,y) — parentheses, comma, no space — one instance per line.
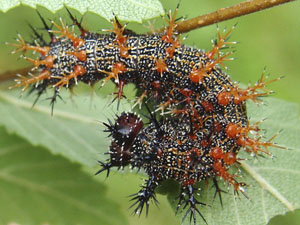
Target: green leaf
(281,43)
(39,188)
(272,184)
(128,10)
(75,131)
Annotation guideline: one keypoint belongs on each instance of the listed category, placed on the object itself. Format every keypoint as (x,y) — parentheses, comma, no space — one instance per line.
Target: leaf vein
(265,185)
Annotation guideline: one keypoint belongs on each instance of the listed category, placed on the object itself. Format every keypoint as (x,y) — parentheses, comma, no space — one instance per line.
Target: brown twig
(223,14)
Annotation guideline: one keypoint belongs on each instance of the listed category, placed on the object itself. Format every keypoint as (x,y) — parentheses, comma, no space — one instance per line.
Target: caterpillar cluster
(203,123)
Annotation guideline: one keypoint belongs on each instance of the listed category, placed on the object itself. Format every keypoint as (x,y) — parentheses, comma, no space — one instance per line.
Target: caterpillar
(203,123)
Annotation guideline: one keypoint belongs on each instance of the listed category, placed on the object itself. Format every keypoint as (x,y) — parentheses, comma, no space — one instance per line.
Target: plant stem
(223,14)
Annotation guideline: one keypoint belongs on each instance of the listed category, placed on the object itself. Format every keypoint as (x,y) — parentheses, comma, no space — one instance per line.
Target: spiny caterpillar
(203,123)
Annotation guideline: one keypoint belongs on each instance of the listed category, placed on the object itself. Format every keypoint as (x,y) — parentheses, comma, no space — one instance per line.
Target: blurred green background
(266,39)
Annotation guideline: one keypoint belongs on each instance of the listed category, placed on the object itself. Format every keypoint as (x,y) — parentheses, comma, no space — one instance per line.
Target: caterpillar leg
(53,99)
(105,166)
(143,197)
(218,190)
(187,199)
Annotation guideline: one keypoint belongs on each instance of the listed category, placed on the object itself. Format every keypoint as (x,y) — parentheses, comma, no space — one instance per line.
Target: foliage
(136,10)
(42,156)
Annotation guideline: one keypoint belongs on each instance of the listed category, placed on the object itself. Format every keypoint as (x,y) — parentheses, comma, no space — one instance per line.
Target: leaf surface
(75,131)
(128,10)
(39,188)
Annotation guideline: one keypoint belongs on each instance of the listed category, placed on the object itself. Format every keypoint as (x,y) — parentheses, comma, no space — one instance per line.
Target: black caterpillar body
(203,123)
